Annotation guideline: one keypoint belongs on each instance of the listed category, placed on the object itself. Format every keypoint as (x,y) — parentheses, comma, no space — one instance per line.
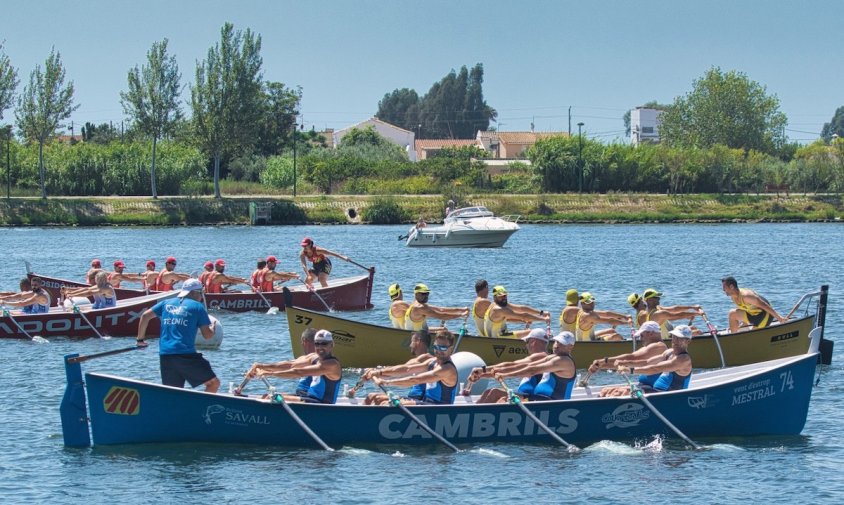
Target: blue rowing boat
(768,398)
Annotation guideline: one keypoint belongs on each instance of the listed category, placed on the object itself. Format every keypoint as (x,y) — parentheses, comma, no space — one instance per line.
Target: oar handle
(353,262)
(80,359)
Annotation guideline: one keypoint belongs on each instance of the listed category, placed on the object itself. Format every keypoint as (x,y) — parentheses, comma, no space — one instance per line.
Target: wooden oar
(321,299)
(36,338)
(353,262)
(515,400)
(396,402)
(714,332)
(77,310)
(359,384)
(270,308)
(239,389)
(279,398)
(80,359)
(460,335)
(637,393)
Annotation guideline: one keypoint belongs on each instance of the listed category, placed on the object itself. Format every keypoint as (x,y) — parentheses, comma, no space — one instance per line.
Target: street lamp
(294,154)
(579,158)
(8,161)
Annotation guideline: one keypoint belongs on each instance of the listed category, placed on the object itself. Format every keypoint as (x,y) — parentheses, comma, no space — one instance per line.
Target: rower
(149,276)
(754,310)
(207,269)
(214,282)
(588,317)
(568,316)
(440,380)
(118,275)
(558,371)
(256,280)
(418,312)
(102,292)
(96,266)
(420,343)
(501,311)
(36,300)
(480,305)
(664,315)
(398,306)
(652,345)
(270,275)
(167,277)
(537,346)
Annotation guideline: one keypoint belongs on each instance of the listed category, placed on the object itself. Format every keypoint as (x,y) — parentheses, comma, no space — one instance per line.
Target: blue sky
(600,58)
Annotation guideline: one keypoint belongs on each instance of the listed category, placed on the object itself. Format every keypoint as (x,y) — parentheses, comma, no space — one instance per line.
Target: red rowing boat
(343,293)
(119,321)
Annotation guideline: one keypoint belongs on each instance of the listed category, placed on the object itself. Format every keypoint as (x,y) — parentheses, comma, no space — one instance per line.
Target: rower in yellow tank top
(588,317)
(480,305)
(753,310)
(398,307)
(570,312)
(500,311)
(664,315)
(417,314)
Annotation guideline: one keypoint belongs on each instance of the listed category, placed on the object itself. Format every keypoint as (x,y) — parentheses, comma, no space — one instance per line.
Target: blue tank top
(417,392)
(528,384)
(40,308)
(323,389)
(102,302)
(648,380)
(553,387)
(440,394)
(672,381)
(305,382)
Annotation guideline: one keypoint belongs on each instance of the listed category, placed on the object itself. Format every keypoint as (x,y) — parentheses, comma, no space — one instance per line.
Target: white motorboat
(465,227)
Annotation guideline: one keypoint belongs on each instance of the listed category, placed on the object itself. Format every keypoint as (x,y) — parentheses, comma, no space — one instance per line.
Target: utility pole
(8,161)
(569,120)
(580,159)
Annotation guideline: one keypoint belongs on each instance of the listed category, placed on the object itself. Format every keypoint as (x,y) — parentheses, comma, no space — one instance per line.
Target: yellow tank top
(564,326)
(410,324)
(398,322)
(664,327)
(581,333)
(752,310)
(479,319)
(494,329)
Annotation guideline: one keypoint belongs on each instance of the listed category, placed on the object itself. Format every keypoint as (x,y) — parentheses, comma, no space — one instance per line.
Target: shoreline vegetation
(407,209)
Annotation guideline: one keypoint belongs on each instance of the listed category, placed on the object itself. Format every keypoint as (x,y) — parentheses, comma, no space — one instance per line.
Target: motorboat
(465,227)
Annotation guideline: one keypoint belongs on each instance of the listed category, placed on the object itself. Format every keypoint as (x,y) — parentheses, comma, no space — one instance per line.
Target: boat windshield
(470,212)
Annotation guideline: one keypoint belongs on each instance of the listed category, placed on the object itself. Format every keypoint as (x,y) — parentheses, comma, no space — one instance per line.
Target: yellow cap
(633,299)
(421,288)
(571,297)
(498,291)
(651,293)
(587,298)
(394,290)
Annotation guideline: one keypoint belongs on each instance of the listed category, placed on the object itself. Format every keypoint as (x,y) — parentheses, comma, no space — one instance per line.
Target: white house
(405,138)
(644,125)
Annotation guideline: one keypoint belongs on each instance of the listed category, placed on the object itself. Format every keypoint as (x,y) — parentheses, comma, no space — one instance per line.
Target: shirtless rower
(501,311)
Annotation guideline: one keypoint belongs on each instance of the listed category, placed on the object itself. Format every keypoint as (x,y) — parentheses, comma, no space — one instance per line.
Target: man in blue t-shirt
(180,319)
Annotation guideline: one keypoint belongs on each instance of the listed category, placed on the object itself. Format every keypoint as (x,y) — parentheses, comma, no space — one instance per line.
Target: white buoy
(213,343)
(465,362)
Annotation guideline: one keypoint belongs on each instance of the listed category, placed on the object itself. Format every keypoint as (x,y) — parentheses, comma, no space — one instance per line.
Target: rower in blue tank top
(674,366)
(557,371)
(32,300)
(440,381)
(422,361)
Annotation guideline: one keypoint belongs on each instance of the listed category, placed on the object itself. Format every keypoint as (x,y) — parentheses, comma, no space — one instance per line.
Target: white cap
(682,331)
(323,336)
(564,338)
(647,326)
(538,334)
(188,286)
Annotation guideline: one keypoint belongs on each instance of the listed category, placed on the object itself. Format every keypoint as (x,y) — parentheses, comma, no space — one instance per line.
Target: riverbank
(342,209)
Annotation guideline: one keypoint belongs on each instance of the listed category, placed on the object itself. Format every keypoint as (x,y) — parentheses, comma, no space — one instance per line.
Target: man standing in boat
(181,317)
(754,310)
(167,277)
(325,374)
(270,275)
(440,380)
(420,343)
(501,311)
(215,281)
(480,305)
(398,307)
(117,276)
(416,317)
(321,265)
(588,317)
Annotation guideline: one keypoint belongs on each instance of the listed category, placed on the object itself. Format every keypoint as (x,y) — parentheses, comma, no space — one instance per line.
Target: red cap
(209,264)
(220,263)
(150,263)
(272,259)
(170,259)
(96,263)
(119,264)
(306,241)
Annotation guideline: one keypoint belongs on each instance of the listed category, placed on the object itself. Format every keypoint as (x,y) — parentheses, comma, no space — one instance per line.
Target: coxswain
(318,257)
(270,275)
(754,310)
(215,282)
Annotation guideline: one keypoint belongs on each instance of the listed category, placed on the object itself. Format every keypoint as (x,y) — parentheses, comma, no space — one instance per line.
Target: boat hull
(344,293)
(119,321)
(359,344)
(438,237)
(770,398)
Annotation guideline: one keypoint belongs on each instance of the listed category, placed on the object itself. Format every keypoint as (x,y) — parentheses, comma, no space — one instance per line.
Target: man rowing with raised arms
(480,305)
(588,317)
(168,276)
(398,307)
(118,275)
(664,315)
(270,276)
(440,380)
(420,343)
(416,317)
(754,310)
(537,346)
(652,345)
(501,311)
(215,282)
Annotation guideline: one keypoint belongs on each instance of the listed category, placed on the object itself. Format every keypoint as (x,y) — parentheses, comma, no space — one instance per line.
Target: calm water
(537,266)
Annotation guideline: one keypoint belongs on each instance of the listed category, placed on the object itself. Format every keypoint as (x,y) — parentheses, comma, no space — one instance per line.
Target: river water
(538,264)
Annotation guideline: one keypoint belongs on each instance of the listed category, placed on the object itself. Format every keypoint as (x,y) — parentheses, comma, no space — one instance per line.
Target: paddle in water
(278,398)
(637,393)
(515,400)
(36,338)
(77,310)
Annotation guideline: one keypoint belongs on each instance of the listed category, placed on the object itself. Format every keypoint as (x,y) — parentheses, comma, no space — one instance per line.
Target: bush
(384,211)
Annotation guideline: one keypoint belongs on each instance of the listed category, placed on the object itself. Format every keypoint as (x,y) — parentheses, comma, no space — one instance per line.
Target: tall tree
(8,81)
(401,108)
(45,102)
(278,118)
(227,97)
(834,127)
(152,101)
(725,108)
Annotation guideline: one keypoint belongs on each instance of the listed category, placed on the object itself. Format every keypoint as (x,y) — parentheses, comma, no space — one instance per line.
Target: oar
(239,389)
(270,308)
(460,335)
(353,262)
(77,310)
(80,359)
(585,380)
(36,338)
(351,392)
(321,299)
(279,398)
(515,400)
(714,331)
(396,402)
(637,393)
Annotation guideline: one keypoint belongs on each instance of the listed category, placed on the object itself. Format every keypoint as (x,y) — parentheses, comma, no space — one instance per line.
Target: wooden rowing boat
(118,321)
(359,344)
(769,398)
(342,293)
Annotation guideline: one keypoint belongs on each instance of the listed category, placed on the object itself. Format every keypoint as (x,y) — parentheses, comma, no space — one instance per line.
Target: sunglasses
(440,348)
(320,344)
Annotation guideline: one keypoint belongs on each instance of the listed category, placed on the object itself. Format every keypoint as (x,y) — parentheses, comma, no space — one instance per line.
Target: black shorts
(323,266)
(178,368)
(760,320)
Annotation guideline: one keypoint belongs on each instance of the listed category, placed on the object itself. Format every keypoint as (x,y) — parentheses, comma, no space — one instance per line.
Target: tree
(278,118)
(153,98)
(8,82)
(99,134)
(834,127)
(401,108)
(227,97)
(45,102)
(725,108)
